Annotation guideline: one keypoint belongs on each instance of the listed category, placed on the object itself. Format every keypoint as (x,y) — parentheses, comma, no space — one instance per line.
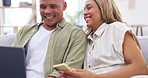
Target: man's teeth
(49,16)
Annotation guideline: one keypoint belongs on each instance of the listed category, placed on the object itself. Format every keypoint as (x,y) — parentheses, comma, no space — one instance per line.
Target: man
(52,42)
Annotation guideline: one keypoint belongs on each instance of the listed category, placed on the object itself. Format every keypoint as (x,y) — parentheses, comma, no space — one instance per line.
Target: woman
(113,51)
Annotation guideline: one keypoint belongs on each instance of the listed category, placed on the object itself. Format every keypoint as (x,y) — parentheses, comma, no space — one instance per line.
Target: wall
(136,15)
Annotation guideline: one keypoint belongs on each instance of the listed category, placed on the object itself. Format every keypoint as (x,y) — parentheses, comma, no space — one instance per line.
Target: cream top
(104,52)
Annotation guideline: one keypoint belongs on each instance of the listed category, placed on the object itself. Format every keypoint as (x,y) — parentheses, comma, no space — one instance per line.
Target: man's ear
(64,6)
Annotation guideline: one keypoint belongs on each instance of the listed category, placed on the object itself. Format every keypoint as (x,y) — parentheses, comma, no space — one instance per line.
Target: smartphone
(61,67)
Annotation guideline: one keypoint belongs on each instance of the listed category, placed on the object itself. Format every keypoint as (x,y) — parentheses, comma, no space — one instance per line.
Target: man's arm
(75,51)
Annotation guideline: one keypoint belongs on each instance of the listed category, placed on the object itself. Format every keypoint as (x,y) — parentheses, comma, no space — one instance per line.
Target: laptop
(12,62)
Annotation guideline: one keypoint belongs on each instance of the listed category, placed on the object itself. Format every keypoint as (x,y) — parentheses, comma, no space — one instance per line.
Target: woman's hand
(77,73)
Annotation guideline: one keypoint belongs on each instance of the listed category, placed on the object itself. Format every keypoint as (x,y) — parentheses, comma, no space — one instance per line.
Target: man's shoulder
(72,30)
(28,26)
(72,27)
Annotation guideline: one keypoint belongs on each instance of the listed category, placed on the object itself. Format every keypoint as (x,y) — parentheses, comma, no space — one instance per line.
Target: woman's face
(92,15)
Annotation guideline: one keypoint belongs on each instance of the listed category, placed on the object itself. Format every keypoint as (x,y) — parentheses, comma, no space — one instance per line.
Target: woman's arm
(136,64)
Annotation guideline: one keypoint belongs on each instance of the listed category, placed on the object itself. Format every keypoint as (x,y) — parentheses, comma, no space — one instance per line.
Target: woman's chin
(88,25)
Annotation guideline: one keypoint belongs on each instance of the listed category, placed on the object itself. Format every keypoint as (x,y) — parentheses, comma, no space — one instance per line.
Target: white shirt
(104,52)
(36,53)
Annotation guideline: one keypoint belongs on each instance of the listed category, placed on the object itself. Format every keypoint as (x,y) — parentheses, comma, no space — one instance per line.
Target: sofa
(6,40)
(144,46)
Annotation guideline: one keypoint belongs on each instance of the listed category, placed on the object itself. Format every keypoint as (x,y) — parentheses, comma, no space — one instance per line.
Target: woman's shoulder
(119,26)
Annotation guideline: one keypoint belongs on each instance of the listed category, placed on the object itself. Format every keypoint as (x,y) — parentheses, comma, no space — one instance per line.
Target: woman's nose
(85,12)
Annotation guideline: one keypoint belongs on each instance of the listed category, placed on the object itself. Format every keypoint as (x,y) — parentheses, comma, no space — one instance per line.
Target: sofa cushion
(144,46)
(6,40)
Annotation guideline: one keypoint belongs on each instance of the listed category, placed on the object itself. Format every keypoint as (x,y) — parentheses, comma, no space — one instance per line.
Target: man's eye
(53,6)
(43,7)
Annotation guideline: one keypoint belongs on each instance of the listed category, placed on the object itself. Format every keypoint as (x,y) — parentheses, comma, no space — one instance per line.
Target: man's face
(52,11)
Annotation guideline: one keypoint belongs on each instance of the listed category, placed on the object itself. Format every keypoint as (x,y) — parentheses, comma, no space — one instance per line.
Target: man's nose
(48,10)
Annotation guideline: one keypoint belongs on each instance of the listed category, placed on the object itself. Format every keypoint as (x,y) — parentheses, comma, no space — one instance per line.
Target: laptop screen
(12,62)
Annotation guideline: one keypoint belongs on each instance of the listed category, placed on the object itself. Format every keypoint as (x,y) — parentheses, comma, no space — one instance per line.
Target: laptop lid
(12,62)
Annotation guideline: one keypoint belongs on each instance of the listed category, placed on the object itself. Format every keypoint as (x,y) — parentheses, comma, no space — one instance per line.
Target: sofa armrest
(6,40)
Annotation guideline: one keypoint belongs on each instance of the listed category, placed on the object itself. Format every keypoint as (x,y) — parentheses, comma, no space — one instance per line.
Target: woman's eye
(89,8)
